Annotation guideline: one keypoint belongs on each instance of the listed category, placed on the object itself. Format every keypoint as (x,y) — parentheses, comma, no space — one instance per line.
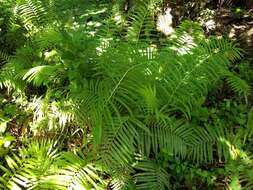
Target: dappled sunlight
(164,23)
(125,94)
(210,25)
(207,19)
(231,34)
(150,52)
(118,18)
(184,44)
(51,114)
(233,151)
(94,12)
(104,44)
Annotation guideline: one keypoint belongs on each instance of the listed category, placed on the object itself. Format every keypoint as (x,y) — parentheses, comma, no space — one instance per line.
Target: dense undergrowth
(116,95)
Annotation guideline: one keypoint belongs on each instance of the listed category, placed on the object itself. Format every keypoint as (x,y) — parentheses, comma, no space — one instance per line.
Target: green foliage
(28,168)
(151,176)
(41,166)
(10,28)
(130,108)
(73,172)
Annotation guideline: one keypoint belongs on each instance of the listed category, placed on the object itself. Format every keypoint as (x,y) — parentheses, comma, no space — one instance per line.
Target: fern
(166,136)
(118,146)
(210,142)
(122,178)
(28,169)
(40,166)
(182,79)
(39,75)
(4,57)
(141,23)
(51,114)
(74,173)
(127,98)
(151,176)
(238,85)
(34,14)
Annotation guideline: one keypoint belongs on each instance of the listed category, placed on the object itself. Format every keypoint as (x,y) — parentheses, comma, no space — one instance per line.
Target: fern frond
(74,173)
(187,78)
(220,46)
(184,79)
(122,178)
(9,79)
(238,85)
(33,14)
(42,75)
(51,114)
(118,144)
(4,57)
(209,140)
(142,22)
(151,176)
(28,169)
(165,136)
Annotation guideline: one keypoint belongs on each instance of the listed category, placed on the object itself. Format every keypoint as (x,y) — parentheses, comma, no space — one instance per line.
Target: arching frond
(238,85)
(122,178)
(34,14)
(165,136)
(142,22)
(187,78)
(74,172)
(4,57)
(42,75)
(210,142)
(151,176)
(118,145)
(28,168)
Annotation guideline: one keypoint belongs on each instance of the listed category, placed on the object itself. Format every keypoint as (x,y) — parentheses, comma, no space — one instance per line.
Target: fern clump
(127,108)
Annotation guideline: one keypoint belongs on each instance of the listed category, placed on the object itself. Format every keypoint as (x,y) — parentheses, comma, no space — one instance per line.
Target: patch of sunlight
(233,151)
(104,44)
(94,24)
(92,12)
(10,85)
(241,27)
(51,114)
(164,22)
(3,124)
(210,24)
(206,19)
(92,33)
(20,99)
(93,27)
(185,44)
(50,54)
(76,24)
(148,71)
(216,50)
(118,18)
(248,40)
(231,33)
(219,37)
(63,113)
(149,52)
(40,107)
(250,32)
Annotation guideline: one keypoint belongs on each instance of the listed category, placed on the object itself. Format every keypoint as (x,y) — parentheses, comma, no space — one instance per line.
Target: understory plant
(118,105)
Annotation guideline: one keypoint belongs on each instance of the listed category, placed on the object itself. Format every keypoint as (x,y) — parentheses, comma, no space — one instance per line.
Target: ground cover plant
(124,94)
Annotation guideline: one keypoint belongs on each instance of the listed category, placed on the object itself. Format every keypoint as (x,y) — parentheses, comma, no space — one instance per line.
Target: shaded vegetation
(125,94)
